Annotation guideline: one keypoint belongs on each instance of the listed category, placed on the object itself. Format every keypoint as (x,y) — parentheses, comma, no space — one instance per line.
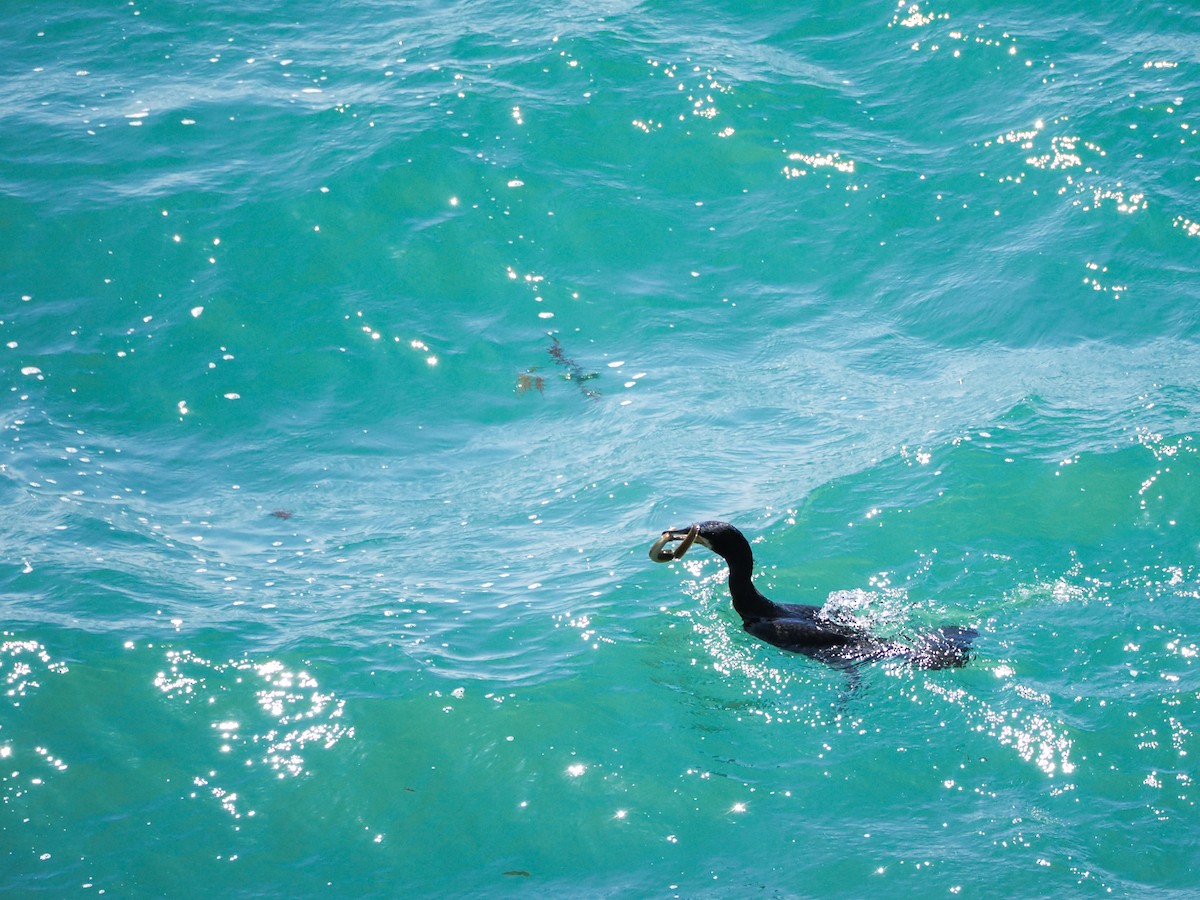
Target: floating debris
(530,379)
(575,372)
(527,381)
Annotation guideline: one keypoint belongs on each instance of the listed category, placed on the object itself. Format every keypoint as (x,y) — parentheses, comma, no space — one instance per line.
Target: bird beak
(685,536)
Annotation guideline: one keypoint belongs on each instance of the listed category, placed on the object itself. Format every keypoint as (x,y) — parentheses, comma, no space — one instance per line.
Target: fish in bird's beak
(661,553)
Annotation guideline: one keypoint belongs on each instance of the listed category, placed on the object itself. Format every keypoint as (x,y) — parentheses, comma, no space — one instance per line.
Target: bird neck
(748,601)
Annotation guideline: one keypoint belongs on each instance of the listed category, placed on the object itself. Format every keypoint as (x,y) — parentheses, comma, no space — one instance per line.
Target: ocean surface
(355,354)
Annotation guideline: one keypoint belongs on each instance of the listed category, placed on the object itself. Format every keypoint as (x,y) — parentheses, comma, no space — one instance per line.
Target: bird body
(802,628)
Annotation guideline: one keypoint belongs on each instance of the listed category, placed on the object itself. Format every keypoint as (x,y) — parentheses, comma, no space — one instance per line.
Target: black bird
(806,629)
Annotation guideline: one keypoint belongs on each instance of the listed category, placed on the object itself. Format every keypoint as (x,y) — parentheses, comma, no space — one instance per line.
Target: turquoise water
(354,357)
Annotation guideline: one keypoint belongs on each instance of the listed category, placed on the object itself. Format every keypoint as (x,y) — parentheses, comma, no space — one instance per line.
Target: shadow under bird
(802,628)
